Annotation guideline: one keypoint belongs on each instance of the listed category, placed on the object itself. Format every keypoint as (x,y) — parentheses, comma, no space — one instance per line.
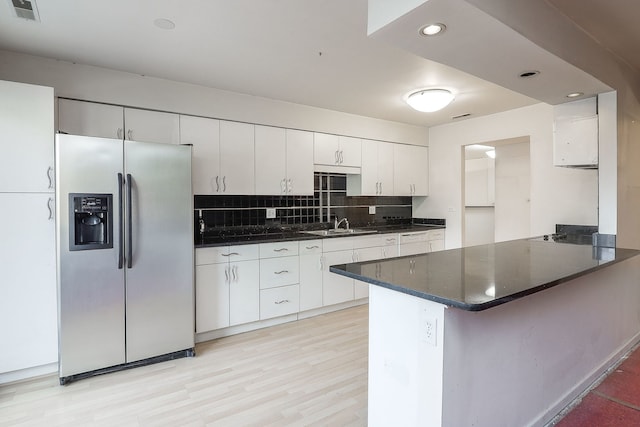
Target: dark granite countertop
(279,234)
(480,277)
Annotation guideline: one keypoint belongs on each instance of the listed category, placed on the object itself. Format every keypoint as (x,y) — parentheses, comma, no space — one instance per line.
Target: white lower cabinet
(244,292)
(212,297)
(336,288)
(311,265)
(279,301)
(227,286)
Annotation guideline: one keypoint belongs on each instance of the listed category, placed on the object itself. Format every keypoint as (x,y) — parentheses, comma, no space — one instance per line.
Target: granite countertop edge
(300,235)
(341,269)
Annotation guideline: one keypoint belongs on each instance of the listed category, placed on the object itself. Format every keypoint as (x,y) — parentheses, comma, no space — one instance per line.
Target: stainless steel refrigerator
(124,230)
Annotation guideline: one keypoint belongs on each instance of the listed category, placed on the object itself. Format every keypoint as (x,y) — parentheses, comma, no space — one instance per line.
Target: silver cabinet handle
(226,274)
(281,272)
(384,252)
(217,184)
(381,188)
(50,176)
(50,207)
(289,185)
(321,263)
(312,247)
(335,155)
(280,250)
(119,133)
(341,157)
(224,184)
(230,253)
(234,271)
(283,186)
(281,301)
(130,135)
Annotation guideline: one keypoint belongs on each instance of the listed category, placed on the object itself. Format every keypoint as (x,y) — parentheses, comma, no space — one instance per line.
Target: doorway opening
(496,191)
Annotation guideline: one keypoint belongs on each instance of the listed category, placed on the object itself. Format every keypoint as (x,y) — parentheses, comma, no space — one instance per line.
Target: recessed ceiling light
(574,94)
(165,24)
(430,100)
(432,29)
(529,73)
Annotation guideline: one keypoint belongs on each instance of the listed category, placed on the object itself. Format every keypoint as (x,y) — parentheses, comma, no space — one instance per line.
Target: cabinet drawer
(436,235)
(220,254)
(278,249)
(334,244)
(310,247)
(280,301)
(389,239)
(420,236)
(279,271)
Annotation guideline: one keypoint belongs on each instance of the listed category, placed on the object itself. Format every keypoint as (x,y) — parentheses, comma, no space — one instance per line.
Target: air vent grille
(25,9)
(461,116)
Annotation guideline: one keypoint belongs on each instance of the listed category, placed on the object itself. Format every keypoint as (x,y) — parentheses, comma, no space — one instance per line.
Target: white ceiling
(303,51)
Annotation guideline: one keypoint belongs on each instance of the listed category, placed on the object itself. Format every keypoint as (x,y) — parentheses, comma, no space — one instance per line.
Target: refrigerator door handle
(120,222)
(129,225)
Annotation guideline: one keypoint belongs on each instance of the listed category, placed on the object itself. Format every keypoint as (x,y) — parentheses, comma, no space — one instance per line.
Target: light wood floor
(310,372)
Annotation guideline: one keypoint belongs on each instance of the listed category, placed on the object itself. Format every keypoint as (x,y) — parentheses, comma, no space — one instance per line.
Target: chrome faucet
(337,223)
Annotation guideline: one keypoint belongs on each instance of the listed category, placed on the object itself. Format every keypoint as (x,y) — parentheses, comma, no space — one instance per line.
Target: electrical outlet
(430,332)
(428,328)
(372,210)
(271,213)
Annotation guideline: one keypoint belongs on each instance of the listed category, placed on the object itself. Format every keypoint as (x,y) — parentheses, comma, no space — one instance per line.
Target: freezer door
(90,285)
(159,273)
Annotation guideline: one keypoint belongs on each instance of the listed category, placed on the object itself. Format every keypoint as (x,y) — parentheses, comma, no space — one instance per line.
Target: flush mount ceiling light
(430,100)
(165,24)
(432,29)
(574,94)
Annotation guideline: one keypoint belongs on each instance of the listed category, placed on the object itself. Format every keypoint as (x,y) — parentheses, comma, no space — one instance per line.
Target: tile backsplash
(328,201)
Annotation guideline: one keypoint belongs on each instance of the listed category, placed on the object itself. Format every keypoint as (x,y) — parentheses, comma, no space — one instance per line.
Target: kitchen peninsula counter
(506,334)
(480,277)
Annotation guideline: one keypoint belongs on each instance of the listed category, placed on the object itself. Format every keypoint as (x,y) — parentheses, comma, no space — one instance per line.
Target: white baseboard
(28,373)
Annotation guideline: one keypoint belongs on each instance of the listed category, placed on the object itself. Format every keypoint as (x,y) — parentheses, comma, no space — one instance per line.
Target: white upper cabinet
(575,134)
(334,150)
(411,170)
(299,162)
(284,161)
(26,124)
(151,126)
(271,163)
(113,121)
(237,158)
(90,119)
(376,176)
(204,135)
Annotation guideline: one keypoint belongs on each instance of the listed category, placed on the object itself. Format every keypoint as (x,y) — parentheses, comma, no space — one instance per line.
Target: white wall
(479,225)
(558,195)
(116,87)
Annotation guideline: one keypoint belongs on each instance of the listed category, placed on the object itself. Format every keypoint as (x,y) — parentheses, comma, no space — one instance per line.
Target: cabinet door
(385,168)
(336,288)
(28,304)
(299,162)
(26,125)
(350,151)
(270,154)
(237,158)
(204,135)
(281,271)
(90,119)
(325,149)
(436,245)
(244,292)
(279,301)
(370,185)
(420,170)
(212,297)
(151,126)
(310,281)
(402,164)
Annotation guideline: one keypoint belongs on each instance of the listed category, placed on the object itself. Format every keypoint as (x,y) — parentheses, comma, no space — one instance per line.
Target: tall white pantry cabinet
(28,319)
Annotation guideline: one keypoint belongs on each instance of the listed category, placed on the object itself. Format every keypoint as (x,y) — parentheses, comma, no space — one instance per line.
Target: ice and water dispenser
(91,221)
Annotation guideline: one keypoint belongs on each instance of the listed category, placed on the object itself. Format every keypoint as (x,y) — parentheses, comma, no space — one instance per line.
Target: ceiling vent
(25,9)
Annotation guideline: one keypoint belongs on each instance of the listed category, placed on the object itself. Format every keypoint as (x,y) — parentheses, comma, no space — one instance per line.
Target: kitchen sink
(339,232)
